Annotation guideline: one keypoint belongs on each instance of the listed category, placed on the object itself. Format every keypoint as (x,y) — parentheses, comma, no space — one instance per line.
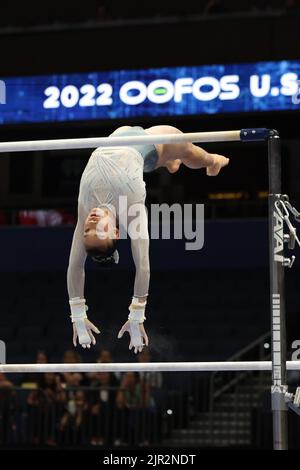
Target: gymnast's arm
(83,329)
(140,253)
(76,274)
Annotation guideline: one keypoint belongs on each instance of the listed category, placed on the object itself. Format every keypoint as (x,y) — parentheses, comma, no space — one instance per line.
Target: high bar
(255,134)
(146,367)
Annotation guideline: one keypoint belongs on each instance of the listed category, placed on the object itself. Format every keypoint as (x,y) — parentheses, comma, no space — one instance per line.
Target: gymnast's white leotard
(110,173)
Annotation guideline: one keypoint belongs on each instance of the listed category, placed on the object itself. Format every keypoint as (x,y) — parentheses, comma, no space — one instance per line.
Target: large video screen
(177,91)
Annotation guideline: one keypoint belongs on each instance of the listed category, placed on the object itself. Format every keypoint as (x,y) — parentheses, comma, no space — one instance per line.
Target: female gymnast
(111,173)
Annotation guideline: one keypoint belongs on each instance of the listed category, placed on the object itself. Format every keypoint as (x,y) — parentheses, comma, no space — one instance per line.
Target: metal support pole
(277,298)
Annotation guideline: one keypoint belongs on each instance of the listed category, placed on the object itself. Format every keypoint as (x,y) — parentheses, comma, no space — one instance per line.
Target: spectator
(102,407)
(4,382)
(7,410)
(105,357)
(130,400)
(74,422)
(151,382)
(130,394)
(45,405)
(71,382)
(36,380)
(72,357)
(214,7)
(102,13)
(41,357)
(153,379)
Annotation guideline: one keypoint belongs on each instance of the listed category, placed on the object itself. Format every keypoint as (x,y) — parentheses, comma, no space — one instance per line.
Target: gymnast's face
(99,229)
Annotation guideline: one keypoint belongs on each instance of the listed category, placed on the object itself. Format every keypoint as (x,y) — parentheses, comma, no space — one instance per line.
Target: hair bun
(107,261)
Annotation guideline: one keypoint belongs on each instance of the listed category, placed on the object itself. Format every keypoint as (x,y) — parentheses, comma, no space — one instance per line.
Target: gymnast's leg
(196,157)
(172,155)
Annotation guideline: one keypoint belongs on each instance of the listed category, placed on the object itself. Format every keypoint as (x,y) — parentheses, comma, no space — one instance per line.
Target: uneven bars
(146,367)
(94,142)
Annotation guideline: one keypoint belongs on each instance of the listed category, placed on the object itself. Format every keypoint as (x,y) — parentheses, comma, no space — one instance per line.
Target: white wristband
(137,311)
(78,308)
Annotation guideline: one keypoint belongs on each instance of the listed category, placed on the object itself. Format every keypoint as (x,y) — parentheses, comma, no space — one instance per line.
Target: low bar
(145,367)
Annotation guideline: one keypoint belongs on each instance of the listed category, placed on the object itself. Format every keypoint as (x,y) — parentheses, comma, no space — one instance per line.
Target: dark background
(108,35)
(206,306)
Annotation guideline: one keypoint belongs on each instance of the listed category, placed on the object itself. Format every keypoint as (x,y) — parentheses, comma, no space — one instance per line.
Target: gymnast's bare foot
(218,162)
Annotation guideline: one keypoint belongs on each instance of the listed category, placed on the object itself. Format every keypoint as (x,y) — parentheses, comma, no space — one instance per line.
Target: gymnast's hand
(82,327)
(134,326)
(137,333)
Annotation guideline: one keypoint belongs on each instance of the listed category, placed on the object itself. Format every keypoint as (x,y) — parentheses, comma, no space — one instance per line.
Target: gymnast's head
(100,235)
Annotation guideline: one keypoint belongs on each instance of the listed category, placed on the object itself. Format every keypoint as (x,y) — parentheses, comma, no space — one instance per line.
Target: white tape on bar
(94,142)
(146,367)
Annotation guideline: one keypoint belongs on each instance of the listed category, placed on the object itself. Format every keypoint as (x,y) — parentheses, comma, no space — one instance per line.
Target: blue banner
(199,90)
